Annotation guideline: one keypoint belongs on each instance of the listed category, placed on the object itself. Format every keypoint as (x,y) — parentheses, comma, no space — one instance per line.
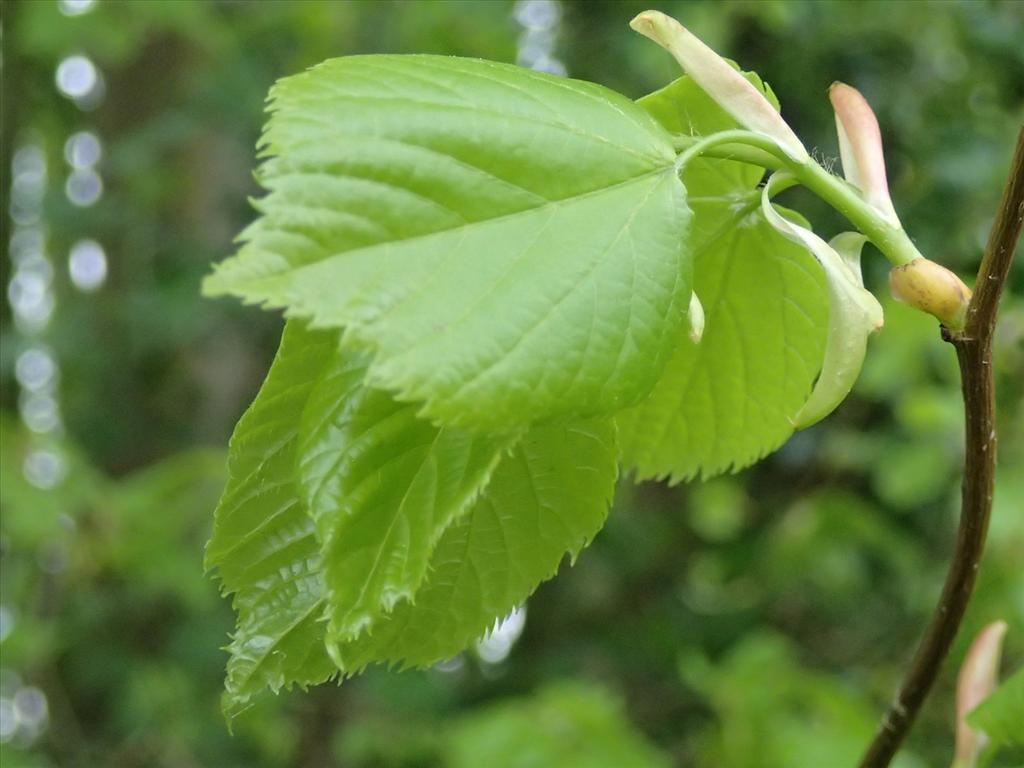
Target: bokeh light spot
(497,644)
(77,77)
(35,368)
(75,7)
(44,469)
(87,265)
(83,149)
(84,187)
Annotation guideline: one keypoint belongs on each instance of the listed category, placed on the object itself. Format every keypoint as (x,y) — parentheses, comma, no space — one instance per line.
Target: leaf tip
(232,706)
(977,679)
(720,80)
(211,287)
(647,22)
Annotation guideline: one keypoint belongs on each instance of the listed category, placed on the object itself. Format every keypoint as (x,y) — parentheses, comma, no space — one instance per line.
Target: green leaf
(507,244)
(1001,714)
(382,485)
(729,400)
(547,498)
(263,545)
(384,488)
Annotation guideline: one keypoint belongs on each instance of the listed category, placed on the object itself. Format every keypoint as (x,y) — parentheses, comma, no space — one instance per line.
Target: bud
(977,679)
(720,80)
(860,147)
(695,314)
(932,288)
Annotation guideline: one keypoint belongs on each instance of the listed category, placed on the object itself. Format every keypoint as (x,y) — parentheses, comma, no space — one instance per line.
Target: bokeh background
(758,620)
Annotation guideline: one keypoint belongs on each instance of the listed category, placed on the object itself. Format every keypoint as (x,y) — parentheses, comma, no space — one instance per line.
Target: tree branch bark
(974,353)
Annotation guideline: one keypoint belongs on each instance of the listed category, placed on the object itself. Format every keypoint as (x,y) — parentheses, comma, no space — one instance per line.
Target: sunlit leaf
(727,401)
(509,245)
(427,535)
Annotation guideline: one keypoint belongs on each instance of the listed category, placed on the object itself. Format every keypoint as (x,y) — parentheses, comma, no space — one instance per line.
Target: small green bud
(932,288)
(695,314)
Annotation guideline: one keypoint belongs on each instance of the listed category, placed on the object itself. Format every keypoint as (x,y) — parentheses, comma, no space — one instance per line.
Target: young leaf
(547,498)
(263,544)
(382,486)
(728,401)
(508,244)
(854,313)
(715,75)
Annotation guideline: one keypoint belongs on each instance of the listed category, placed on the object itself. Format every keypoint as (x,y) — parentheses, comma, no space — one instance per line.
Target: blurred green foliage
(760,619)
(569,725)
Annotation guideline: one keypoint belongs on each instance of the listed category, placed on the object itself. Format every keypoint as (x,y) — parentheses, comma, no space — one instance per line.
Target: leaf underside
(726,402)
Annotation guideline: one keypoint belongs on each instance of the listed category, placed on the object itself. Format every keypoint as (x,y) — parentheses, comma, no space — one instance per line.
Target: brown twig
(974,353)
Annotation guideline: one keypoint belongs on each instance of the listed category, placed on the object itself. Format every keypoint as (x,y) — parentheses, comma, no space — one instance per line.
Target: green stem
(730,145)
(750,147)
(889,238)
(740,153)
